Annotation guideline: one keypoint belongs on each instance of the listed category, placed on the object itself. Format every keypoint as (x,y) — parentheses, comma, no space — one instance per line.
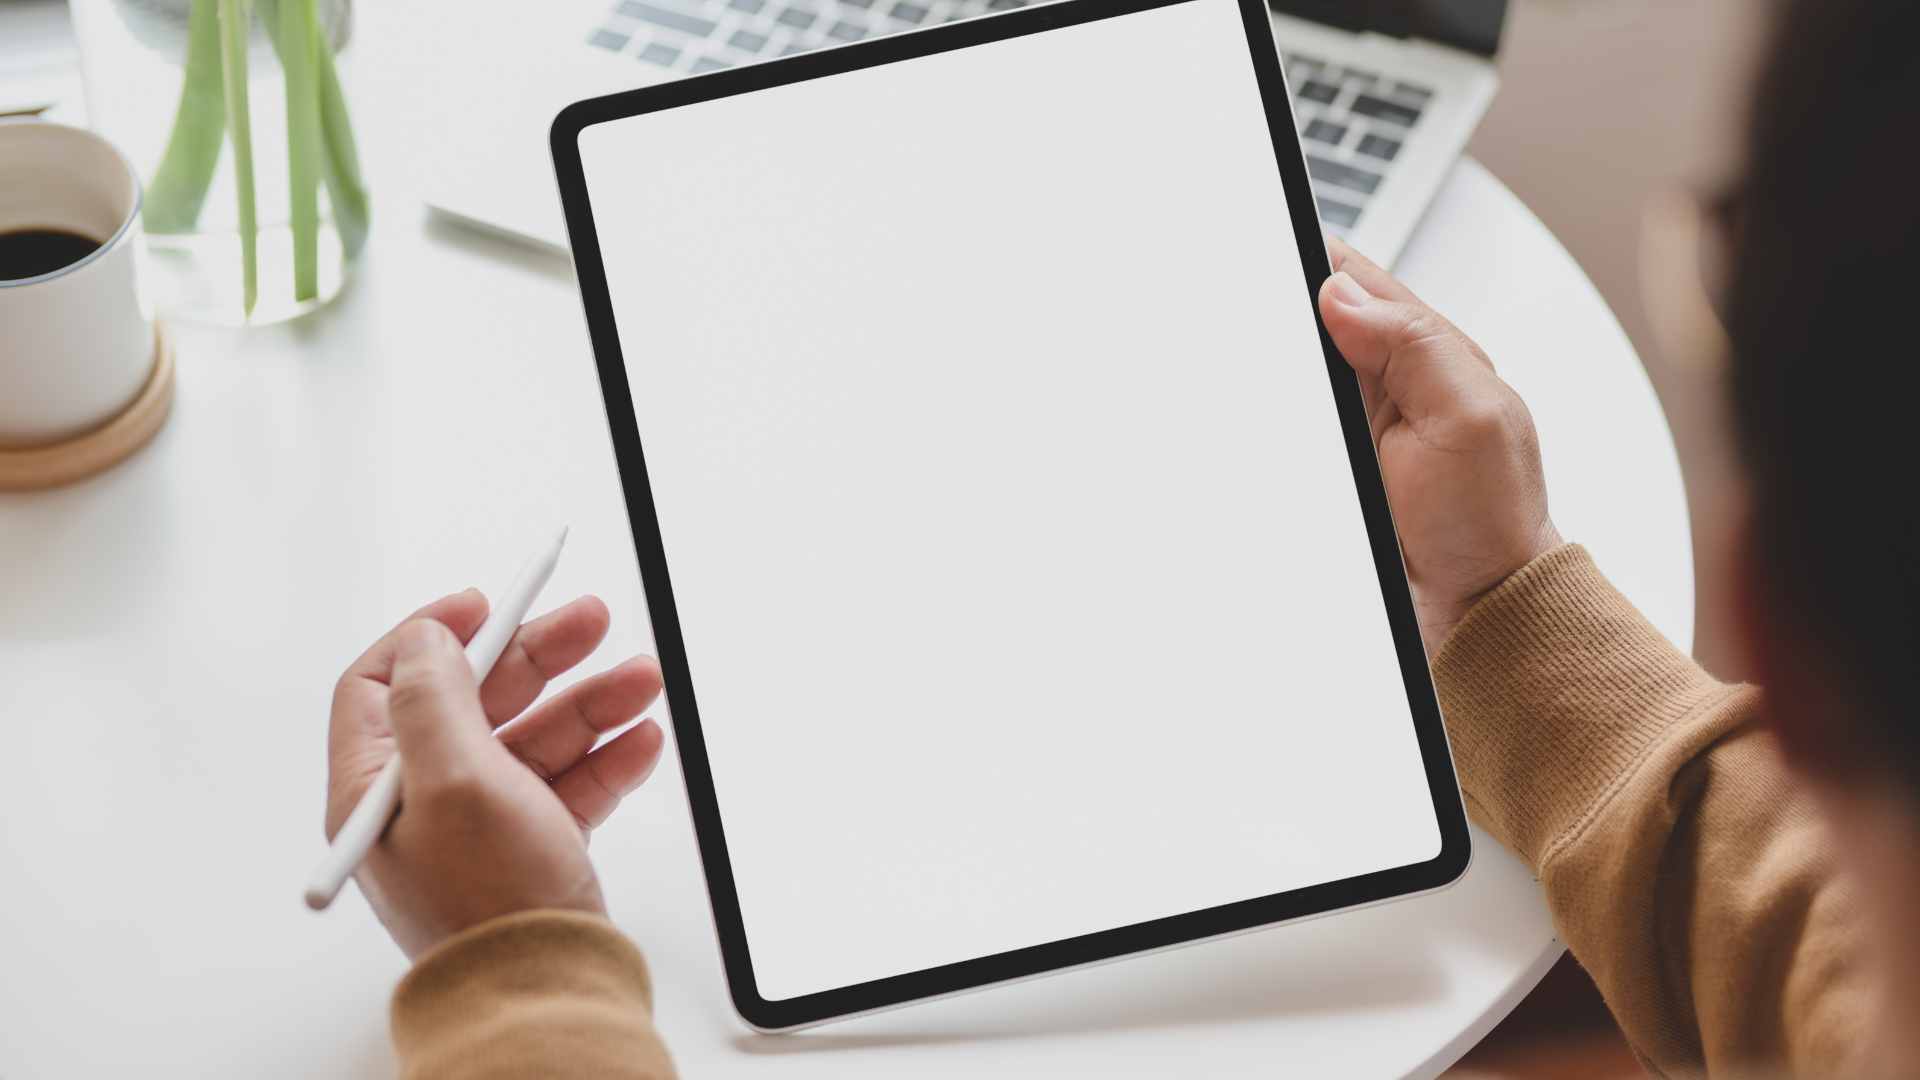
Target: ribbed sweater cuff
(507,972)
(1555,689)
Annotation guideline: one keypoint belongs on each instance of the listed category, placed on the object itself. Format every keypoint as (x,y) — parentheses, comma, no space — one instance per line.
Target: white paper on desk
(1014,542)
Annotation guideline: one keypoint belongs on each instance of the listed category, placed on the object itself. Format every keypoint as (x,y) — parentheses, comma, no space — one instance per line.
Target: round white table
(169,634)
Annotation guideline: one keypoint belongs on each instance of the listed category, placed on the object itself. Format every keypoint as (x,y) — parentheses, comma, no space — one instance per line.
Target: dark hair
(1824,314)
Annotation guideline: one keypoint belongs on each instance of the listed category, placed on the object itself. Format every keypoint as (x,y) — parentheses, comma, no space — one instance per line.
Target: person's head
(1823,313)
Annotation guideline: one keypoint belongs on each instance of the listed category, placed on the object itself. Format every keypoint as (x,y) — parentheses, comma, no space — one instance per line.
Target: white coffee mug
(76,343)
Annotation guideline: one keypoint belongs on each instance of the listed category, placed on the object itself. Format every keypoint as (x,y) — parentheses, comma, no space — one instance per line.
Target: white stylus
(370,815)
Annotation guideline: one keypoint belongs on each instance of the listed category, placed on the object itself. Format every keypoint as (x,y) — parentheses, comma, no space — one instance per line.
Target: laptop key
(1379,108)
(607,39)
(748,6)
(909,13)
(1339,175)
(797,18)
(1323,131)
(1324,93)
(748,41)
(691,25)
(1003,5)
(1338,213)
(656,53)
(1380,146)
(1413,93)
(704,64)
(846,31)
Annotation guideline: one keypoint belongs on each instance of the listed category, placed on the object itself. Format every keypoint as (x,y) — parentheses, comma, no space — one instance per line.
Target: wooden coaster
(48,465)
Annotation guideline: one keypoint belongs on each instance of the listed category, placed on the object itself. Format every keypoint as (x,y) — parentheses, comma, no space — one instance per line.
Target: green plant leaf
(235,15)
(180,183)
(298,35)
(345,190)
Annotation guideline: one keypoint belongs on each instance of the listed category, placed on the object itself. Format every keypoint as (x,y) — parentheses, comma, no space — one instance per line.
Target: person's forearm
(1683,869)
(542,993)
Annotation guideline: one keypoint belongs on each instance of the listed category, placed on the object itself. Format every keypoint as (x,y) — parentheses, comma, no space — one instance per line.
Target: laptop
(1386,92)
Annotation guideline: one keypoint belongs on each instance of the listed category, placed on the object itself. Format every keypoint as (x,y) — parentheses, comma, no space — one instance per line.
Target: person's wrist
(1439,618)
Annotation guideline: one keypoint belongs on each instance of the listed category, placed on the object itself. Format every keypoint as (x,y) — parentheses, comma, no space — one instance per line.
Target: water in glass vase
(235,113)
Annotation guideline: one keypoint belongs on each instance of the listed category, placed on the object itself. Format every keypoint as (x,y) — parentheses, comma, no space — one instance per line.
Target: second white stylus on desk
(377,806)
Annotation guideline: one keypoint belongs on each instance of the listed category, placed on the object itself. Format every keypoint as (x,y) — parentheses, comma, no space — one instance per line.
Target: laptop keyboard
(1353,122)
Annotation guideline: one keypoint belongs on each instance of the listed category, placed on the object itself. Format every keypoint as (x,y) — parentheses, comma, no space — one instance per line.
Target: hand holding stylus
(488,826)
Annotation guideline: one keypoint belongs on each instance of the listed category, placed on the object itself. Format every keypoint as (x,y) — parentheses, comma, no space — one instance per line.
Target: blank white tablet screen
(1016,551)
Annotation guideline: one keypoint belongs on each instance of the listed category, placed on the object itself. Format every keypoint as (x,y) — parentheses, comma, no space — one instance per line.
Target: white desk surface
(169,634)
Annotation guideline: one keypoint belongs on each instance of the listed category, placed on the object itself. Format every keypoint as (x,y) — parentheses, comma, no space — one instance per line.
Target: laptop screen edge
(1473,25)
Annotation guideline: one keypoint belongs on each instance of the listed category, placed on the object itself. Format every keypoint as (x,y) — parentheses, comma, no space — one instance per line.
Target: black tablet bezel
(1450,816)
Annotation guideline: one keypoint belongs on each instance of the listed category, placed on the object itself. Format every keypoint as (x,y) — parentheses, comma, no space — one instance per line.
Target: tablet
(1015,546)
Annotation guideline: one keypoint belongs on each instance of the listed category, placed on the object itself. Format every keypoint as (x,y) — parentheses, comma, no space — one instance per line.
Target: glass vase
(235,113)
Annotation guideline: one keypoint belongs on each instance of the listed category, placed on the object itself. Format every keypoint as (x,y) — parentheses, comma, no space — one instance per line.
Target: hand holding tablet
(1457,446)
(987,465)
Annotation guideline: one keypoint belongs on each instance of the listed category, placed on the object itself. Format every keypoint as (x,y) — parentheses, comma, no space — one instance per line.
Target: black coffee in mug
(26,253)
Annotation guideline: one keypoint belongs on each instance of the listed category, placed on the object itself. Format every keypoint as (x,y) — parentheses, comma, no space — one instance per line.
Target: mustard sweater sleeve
(1683,869)
(538,994)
